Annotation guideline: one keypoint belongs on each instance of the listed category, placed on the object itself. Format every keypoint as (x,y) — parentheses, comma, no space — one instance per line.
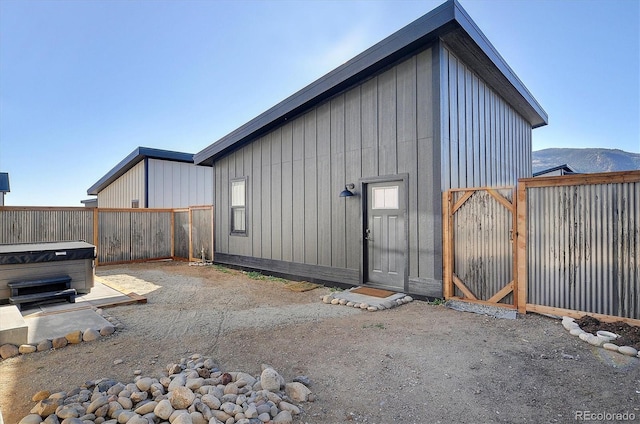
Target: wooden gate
(479,246)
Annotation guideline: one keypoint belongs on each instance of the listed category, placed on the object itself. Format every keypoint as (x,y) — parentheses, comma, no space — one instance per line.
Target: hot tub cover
(45,252)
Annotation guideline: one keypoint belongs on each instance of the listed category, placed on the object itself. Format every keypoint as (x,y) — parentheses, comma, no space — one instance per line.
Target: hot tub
(39,261)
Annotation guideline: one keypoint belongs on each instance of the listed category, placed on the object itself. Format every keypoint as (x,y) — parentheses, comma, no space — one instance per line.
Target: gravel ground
(413,364)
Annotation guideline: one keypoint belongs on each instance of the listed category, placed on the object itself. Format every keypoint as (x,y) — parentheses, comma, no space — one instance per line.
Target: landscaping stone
(107,330)
(628,350)
(90,335)
(44,345)
(74,337)
(31,419)
(59,342)
(236,397)
(270,380)
(27,348)
(8,351)
(42,394)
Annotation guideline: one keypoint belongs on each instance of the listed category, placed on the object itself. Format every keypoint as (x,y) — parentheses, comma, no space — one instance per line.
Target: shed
(431,107)
(4,186)
(154,178)
(556,171)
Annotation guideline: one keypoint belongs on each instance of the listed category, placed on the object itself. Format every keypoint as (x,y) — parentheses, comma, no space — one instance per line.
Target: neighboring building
(431,107)
(556,171)
(90,203)
(153,178)
(4,186)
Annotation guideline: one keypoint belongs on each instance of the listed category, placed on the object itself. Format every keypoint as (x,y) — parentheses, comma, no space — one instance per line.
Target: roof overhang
(448,22)
(132,159)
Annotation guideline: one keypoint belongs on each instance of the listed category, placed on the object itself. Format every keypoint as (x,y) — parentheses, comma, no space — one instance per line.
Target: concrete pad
(50,326)
(478,308)
(376,302)
(13,328)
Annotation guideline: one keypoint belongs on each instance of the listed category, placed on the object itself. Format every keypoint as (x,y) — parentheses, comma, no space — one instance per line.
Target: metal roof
(132,159)
(4,182)
(448,18)
(564,167)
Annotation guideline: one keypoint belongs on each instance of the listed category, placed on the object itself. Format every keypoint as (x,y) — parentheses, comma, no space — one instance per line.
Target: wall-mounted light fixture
(347,190)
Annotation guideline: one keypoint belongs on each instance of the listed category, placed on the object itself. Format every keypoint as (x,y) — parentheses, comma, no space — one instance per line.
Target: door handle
(367,235)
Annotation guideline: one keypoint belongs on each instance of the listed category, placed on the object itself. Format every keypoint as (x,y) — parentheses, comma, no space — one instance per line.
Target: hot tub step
(64,280)
(68,294)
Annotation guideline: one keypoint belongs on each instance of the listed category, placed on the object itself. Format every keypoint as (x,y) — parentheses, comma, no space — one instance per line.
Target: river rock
(31,419)
(67,412)
(610,346)
(146,408)
(335,301)
(163,409)
(178,381)
(42,394)
(327,298)
(184,418)
(53,419)
(74,337)
(44,345)
(46,407)
(90,334)
(107,330)
(59,342)
(286,406)
(271,380)
(27,348)
(8,350)
(570,325)
(97,403)
(144,383)
(283,417)
(576,331)
(181,397)
(628,350)
(297,391)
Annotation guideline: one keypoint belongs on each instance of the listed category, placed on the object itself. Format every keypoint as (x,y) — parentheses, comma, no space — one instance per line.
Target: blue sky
(83,83)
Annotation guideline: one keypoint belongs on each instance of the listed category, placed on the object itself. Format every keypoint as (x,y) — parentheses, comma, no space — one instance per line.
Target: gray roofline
(556,168)
(446,17)
(4,182)
(132,159)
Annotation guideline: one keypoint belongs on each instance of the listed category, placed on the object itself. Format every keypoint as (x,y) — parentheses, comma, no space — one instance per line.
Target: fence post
(521,246)
(96,235)
(447,244)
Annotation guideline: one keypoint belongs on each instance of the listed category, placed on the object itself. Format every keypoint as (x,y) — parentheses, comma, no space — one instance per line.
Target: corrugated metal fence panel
(202,233)
(45,225)
(150,235)
(114,242)
(483,257)
(181,234)
(583,248)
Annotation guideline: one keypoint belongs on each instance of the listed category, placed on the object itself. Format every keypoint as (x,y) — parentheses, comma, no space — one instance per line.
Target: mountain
(586,160)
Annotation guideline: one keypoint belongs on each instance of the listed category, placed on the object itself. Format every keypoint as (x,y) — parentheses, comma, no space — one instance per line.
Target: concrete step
(13,328)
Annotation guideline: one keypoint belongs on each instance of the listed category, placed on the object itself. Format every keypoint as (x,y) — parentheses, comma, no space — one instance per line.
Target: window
(385,197)
(135,204)
(238,207)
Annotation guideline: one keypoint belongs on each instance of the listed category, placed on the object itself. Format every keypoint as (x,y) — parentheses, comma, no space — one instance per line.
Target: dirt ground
(413,364)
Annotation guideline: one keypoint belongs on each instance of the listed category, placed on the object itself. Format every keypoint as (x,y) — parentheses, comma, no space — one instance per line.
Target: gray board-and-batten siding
(429,117)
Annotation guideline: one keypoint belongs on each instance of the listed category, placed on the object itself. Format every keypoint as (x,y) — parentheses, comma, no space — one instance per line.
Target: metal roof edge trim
(138,154)
(472,29)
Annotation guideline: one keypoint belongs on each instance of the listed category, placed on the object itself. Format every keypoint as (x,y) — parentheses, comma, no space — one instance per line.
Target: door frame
(364,264)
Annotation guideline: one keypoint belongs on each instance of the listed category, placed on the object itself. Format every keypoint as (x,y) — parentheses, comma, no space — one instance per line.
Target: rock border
(88,335)
(337,298)
(191,391)
(598,340)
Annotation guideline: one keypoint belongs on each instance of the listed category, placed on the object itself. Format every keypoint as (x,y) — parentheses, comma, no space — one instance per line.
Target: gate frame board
(450,279)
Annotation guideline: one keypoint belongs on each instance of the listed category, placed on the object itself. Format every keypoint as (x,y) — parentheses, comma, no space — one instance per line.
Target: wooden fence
(576,244)
(120,235)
